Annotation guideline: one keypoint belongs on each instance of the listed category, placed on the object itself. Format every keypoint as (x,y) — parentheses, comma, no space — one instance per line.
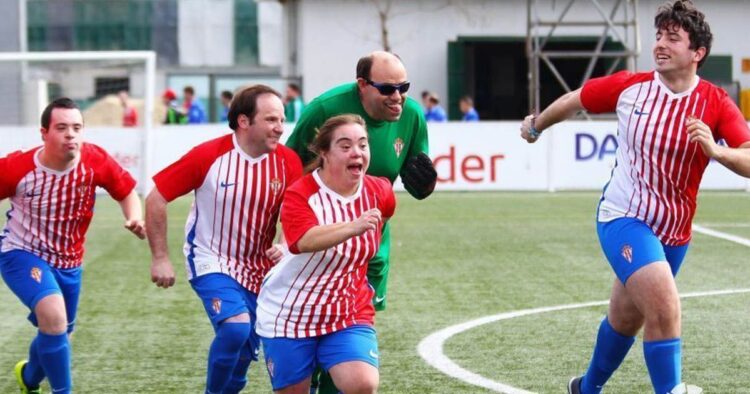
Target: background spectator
(226,98)
(466,104)
(195,112)
(129,114)
(434,112)
(293,103)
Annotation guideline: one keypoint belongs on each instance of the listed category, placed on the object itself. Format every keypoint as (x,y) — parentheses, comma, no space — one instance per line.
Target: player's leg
(248,352)
(654,291)
(225,305)
(378,268)
(629,245)
(351,357)
(614,339)
(290,363)
(33,282)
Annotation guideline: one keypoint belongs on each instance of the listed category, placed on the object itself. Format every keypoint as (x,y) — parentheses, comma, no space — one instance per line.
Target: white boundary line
(431,347)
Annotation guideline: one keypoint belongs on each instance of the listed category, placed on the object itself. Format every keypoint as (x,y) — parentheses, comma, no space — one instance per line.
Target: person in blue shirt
(195,111)
(226,99)
(433,111)
(466,104)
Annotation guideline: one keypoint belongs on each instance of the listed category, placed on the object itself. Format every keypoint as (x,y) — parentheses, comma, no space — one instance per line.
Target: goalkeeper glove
(419,176)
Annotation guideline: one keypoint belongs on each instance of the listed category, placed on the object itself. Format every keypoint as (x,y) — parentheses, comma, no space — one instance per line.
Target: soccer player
(669,122)
(398,142)
(315,307)
(52,192)
(238,180)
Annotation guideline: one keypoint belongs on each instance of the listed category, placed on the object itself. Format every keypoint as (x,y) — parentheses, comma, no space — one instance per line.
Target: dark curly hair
(682,13)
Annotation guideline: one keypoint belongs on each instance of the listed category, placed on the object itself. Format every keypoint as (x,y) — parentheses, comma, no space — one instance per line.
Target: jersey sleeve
(297,218)
(600,95)
(386,197)
(112,177)
(184,175)
(732,126)
(7,186)
(313,116)
(293,167)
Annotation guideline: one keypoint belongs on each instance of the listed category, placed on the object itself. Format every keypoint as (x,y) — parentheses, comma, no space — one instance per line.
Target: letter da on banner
(587,146)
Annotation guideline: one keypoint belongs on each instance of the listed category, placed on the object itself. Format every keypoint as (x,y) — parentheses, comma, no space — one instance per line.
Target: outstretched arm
(735,159)
(131,210)
(563,108)
(162,273)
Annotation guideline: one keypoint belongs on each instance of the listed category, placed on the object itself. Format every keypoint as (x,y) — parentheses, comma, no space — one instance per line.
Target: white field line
(719,234)
(431,347)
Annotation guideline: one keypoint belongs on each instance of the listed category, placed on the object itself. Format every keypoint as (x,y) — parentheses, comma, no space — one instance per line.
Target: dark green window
(36,17)
(112,24)
(245,32)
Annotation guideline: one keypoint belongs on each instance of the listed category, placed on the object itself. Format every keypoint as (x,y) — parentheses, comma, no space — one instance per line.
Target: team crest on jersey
(216,305)
(269,365)
(275,185)
(398,146)
(81,189)
(627,253)
(36,274)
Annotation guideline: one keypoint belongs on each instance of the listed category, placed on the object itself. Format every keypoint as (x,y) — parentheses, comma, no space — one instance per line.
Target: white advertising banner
(467,156)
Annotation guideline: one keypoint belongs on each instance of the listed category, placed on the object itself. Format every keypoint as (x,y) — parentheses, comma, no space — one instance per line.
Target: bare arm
(563,108)
(323,237)
(162,273)
(131,210)
(735,159)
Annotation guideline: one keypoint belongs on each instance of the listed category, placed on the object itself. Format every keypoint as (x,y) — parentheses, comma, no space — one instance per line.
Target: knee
(233,334)
(51,316)
(367,384)
(665,315)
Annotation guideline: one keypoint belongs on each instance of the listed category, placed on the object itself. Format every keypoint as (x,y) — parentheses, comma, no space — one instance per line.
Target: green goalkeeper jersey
(391,143)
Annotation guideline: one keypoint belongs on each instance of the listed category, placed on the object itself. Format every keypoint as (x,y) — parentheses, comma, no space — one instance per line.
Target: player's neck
(337,184)
(253,150)
(49,160)
(678,81)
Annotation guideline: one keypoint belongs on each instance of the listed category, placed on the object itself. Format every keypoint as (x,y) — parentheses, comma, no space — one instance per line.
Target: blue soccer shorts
(629,244)
(30,278)
(223,297)
(292,360)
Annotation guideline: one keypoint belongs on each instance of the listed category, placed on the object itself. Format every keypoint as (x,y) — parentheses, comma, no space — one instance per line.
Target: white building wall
(205,32)
(333,34)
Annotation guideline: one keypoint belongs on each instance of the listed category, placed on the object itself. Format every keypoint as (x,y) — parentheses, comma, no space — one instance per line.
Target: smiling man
(398,140)
(238,180)
(669,122)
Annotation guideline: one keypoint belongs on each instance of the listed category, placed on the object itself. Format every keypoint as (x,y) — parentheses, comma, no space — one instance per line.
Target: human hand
(528,131)
(700,133)
(162,273)
(137,227)
(369,220)
(275,253)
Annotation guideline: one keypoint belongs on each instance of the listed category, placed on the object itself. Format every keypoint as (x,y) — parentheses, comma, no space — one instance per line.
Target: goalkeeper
(398,140)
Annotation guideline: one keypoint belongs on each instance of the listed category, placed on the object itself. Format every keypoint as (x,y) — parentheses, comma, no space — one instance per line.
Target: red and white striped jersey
(658,171)
(232,221)
(51,210)
(316,293)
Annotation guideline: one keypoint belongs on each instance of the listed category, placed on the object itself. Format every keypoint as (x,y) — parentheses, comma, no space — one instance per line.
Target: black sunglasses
(387,89)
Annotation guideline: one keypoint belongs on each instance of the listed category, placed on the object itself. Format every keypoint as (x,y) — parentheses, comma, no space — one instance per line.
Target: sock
(33,374)
(224,353)
(664,362)
(239,375)
(610,349)
(54,356)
